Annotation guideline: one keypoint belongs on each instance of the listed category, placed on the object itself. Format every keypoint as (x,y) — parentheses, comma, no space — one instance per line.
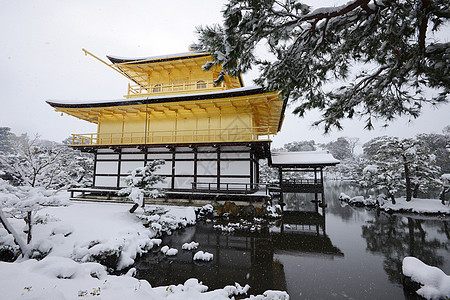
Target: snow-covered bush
(205,256)
(23,202)
(190,246)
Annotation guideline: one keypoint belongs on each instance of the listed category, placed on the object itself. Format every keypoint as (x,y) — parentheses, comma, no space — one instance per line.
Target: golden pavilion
(210,136)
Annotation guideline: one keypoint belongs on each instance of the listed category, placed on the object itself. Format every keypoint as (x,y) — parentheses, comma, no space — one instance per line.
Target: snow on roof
(149,99)
(118,59)
(304,158)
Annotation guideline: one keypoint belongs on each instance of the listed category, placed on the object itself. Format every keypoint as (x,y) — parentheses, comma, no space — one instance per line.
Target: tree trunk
(17,239)
(442,195)
(133,209)
(411,240)
(392,197)
(29,222)
(408,180)
(416,190)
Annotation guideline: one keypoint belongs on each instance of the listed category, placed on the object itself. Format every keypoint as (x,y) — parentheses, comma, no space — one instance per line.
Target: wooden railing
(172,136)
(200,86)
(230,187)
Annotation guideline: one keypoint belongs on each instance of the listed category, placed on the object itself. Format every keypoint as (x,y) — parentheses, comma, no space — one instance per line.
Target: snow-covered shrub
(23,202)
(273,211)
(169,251)
(205,211)
(190,246)
(117,253)
(205,256)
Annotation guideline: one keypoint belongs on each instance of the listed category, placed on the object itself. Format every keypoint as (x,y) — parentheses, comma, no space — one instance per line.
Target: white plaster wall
(183,182)
(161,149)
(235,168)
(133,156)
(207,168)
(127,166)
(105,151)
(106,167)
(159,156)
(235,180)
(106,181)
(107,156)
(165,169)
(234,155)
(207,155)
(184,168)
(184,156)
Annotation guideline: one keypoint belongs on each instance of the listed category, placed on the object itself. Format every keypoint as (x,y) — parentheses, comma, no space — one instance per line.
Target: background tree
(300,146)
(340,149)
(439,145)
(384,54)
(34,162)
(395,163)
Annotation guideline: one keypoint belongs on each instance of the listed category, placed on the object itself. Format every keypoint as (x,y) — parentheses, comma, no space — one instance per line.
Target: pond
(335,253)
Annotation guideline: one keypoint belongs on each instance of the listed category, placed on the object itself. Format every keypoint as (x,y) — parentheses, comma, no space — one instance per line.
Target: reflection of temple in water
(243,257)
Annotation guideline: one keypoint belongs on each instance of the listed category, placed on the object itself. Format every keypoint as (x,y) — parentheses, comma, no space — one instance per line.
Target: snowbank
(55,278)
(80,235)
(358,200)
(416,205)
(435,283)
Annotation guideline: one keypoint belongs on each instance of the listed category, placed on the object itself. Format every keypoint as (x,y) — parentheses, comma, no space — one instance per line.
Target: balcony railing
(197,86)
(171,136)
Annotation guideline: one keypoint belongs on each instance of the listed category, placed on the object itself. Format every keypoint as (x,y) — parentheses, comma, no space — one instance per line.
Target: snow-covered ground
(435,284)
(79,235)
(416,205)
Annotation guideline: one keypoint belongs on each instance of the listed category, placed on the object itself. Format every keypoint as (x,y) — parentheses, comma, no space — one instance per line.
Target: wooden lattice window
(201,84)
(156,88)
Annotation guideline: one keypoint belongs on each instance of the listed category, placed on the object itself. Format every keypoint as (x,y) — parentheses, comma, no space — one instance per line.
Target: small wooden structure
(310,164)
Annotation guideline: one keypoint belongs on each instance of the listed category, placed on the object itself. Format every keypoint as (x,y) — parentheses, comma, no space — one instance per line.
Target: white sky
(41,59)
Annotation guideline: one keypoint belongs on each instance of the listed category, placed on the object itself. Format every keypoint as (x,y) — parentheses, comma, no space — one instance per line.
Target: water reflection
(339,252)
(396,237)
(241,257)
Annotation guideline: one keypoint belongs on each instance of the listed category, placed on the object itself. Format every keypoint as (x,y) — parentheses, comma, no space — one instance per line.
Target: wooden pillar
(218,167)
(251,169)
(323,189)
(194,148)
(172,184)
(118,167)
(95,168)
(280,176)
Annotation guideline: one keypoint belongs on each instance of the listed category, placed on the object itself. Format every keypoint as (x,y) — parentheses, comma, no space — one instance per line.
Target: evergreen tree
(140,184)
(383,53)
(399,164)
(340,149)
(300,146)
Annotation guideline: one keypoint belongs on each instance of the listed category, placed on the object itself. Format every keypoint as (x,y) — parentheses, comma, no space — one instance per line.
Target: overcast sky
(41,59)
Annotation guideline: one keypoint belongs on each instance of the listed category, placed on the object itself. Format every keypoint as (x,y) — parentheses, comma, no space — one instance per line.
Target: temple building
(210,136)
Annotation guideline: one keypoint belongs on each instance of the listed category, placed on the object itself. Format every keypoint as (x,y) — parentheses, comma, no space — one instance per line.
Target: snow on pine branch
(314,49)
(140,183)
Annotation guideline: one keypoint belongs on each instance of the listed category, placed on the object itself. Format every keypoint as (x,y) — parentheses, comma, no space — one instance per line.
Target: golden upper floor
(171,74)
